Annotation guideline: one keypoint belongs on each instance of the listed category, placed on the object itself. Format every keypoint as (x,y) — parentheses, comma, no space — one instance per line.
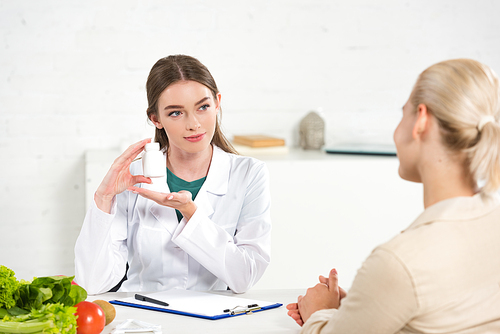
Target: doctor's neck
(189,166)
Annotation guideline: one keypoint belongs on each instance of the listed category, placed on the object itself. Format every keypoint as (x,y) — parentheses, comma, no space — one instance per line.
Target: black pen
(150,300)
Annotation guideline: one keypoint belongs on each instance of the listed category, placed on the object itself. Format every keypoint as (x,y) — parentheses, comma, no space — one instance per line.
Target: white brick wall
(72,77)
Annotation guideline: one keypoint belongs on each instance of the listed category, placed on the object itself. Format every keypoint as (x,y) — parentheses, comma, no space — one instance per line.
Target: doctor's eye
(205,107)
(174,113)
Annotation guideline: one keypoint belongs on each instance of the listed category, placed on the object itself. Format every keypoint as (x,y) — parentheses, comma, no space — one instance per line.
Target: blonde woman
(441,274)
(206,227)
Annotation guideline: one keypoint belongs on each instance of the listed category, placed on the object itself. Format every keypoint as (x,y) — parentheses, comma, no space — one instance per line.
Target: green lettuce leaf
(17,298)
(50,319)
(8,287)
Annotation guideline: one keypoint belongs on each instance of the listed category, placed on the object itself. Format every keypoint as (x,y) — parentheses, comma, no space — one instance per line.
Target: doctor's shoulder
(253,168)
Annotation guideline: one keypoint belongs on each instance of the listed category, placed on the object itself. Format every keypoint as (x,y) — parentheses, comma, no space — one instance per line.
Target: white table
(269,321)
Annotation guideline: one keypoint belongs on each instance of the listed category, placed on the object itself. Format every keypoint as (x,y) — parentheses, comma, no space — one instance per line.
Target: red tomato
(91,318)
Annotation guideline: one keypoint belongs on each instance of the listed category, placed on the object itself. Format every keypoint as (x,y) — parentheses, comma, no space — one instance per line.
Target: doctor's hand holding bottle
(119,178)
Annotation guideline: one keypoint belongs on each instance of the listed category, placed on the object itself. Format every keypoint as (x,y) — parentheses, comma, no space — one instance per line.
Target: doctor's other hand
(181,200)
(320,297)
(118,178)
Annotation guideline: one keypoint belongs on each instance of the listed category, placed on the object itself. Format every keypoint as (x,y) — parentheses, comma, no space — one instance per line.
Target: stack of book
(254,145)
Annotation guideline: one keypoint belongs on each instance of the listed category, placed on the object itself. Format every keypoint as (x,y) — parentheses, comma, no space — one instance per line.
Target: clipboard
(199,304)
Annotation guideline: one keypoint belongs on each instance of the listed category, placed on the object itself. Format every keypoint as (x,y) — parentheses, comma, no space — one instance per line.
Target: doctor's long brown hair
(170,70)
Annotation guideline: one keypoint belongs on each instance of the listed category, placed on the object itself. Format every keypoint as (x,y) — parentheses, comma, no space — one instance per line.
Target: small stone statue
(312,131)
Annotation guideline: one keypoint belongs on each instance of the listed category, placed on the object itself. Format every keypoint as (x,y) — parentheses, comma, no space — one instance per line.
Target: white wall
(72,77)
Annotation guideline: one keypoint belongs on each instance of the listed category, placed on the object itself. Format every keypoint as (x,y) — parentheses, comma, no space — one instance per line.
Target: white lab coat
(227,242)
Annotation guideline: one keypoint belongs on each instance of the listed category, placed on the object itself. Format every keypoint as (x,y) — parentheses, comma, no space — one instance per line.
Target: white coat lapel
(216,183)
(203,203)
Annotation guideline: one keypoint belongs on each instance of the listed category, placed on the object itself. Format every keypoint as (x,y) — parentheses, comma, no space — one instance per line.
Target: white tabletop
(269,321)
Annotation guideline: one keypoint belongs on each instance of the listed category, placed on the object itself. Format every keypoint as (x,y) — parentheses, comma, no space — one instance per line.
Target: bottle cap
(154,146)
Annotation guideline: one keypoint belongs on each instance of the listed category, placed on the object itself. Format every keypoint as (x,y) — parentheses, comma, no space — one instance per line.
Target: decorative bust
(312,131)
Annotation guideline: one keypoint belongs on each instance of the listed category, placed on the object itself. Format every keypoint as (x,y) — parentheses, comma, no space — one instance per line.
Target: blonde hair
(462,94)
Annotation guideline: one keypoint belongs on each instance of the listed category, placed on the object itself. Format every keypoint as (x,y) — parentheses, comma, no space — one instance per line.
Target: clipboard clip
(243,309)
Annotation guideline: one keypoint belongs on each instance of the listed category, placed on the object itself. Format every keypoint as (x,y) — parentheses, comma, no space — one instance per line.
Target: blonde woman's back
(451,255)
(440,275)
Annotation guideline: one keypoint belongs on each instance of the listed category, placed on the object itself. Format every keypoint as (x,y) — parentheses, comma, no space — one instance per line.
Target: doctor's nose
(193,123)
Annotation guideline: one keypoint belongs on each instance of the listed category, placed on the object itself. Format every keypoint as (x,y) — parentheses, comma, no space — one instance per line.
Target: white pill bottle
(153,161)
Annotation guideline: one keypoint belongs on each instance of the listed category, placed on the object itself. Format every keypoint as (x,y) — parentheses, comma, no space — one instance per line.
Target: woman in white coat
(207,227)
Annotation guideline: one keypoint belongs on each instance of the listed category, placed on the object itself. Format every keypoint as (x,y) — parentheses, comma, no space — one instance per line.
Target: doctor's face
(405,144)
(187,111)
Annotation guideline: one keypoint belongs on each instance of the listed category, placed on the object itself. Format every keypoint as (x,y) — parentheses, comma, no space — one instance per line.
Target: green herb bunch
(42,305)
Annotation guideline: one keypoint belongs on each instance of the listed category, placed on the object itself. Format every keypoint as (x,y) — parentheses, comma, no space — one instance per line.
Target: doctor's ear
(218,101)
(155,121)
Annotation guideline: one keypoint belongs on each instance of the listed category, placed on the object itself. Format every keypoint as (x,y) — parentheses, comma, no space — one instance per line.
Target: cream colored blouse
(440,275)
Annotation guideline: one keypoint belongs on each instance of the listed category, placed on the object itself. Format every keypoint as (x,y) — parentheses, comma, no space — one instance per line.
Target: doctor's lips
(195,138)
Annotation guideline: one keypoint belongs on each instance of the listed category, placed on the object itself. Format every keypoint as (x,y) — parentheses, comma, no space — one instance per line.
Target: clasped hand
(325,295)
(119,179)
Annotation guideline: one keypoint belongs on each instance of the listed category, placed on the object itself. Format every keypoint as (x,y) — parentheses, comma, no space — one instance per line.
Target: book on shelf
(258,141)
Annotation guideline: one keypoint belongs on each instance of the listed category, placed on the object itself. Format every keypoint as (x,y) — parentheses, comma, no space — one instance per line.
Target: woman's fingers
(118,177)
(343,293)
(168,199)
(333,282)
(149,194)
(326,280)
(183,196)
(294,313)
(131,152)
(333,279)
(180,201)
(141,179)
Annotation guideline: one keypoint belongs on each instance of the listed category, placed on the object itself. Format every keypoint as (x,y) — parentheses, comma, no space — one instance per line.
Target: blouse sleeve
(238,260)
(382,299)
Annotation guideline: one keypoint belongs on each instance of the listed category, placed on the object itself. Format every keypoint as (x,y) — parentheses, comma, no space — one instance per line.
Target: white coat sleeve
(382,299)
(101,250)
(239,260)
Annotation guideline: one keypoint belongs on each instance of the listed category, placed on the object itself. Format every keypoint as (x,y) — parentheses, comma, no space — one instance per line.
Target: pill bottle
(153,162)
